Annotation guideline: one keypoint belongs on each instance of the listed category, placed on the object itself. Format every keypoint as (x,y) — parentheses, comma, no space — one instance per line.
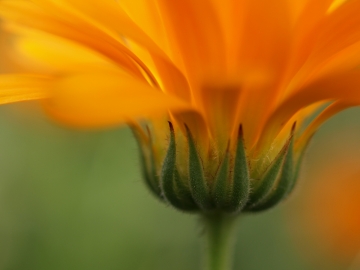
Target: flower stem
(219,241)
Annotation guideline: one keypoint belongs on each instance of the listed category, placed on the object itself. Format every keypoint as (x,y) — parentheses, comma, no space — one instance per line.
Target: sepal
(230,190)
(278,180)
(284,183)
(266,183)
(174,191)
(222,190)
(147,160)
(241,178)
(198,185)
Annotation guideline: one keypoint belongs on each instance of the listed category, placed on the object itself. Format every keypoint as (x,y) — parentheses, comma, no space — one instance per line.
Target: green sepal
(267,182)
(183,193)
(241,177)
(198,186)
(285,183)
(167,181)
(147,161)
(168,168)
(221,187)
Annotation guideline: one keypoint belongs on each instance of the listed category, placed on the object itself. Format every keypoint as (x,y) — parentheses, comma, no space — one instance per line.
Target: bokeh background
(75,200)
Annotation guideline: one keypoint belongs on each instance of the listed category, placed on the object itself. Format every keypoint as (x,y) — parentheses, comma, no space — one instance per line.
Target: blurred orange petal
(23,87)
(106,99)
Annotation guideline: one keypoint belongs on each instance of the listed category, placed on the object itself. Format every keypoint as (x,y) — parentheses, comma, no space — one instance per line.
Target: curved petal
(336,31)
(340,29)
(344,87)
(30,15)
(108,16)
(306,31)
(330,111)
(265,34)
(50,54)
(23,87)
(100,100)
(145,14)
(264,37)
(327,28)
(194,29)
(340,62)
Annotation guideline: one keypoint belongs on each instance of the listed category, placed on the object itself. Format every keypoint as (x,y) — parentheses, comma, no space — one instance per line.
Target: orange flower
(210,64)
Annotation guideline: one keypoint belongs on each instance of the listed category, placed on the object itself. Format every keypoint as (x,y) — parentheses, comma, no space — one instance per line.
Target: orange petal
(330,111)
(266,31)
(344,87)
(105,15)
(109,17)
(194,30)
(27,14)
(23,87)
(306,31)
(145,14)
(331,33)
(50,54)
(220,108)
(340,30)
(99,100)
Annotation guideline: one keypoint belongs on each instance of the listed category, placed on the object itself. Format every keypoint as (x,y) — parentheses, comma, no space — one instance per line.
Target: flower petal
(265,34)
(50,54)
(330,111)
(194,30)
(23,87)
(321,35)
(343,87)
(100,100)
(339,30)
(27,14)
(108,17)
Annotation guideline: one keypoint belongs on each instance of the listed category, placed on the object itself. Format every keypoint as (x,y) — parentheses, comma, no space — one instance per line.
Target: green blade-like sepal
(183,193)
(170,178)
(221,192)
(241,177)
(198,186)
(286,180)
(267,181)
(147,162)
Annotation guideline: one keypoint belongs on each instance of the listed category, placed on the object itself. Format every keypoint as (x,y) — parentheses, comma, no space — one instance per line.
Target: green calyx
(231,190)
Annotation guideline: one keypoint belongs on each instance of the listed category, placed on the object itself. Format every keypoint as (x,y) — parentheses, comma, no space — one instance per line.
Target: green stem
(220,239)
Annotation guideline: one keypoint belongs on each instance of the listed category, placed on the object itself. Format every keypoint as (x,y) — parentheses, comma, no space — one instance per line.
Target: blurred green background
(75,200)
